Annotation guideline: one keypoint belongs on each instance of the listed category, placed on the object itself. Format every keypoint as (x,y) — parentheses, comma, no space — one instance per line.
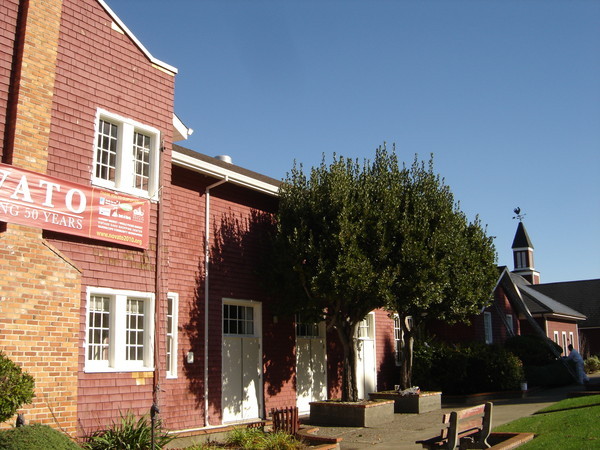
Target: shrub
(253,438)
(532,350)
(16,388)
(592,364)
(467,369)
(129,434)
(35,437)
(553,374)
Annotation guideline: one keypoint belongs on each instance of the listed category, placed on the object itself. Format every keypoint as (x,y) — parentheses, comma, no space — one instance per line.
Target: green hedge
(533,350)
(35,437)
(466,369)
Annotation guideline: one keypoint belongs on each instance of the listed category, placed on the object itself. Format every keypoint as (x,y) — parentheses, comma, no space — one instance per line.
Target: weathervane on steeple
(519,216)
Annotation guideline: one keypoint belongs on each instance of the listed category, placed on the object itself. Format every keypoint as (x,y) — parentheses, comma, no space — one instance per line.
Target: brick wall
(40,286)
(39,318)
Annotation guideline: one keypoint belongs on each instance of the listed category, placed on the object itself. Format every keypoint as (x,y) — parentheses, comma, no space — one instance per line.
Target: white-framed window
(239,319)
(126,155)
(571,339)
(398,341)
(511,326)
(308,329)
(172,326)
(366,327)
(556,339)
(487,326)
(564,342)
(119,330)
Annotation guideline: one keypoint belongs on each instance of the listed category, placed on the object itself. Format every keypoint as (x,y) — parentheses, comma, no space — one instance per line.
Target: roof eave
(212,170)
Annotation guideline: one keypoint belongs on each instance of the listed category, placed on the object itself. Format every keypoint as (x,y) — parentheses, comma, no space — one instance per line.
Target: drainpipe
(206,264)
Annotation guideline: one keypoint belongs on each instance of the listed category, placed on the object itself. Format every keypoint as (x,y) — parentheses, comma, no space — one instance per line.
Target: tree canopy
(358,237)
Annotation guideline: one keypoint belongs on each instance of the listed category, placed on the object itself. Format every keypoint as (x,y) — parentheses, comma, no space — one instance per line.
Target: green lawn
(570,424)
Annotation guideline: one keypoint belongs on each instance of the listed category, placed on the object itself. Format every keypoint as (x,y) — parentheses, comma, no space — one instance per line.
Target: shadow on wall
(235,272)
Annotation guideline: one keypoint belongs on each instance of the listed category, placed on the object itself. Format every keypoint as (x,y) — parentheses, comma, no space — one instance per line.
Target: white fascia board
(128,32)
(215,171)
(180,131)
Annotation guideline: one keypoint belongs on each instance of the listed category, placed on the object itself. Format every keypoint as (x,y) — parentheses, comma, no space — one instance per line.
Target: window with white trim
(556,340)
(487,325)
(126,155)
(564,341)
(172,326)
(511,325)
(119,330)
(366,327)
(571,339)
(238,320)
(398,341)
(307,330)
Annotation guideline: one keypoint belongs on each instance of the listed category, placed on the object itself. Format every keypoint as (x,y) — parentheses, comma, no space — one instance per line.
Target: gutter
(206,292)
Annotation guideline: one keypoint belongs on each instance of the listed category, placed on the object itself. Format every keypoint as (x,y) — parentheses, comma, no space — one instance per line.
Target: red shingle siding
(388,374)
(235,250)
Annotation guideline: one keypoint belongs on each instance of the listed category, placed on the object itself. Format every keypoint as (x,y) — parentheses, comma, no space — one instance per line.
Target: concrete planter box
(411,403)
(351,414)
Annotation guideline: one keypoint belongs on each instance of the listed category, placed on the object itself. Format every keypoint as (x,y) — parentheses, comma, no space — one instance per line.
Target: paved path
(408,428)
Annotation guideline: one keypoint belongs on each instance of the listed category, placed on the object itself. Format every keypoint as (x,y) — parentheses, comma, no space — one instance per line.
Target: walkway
(408,428)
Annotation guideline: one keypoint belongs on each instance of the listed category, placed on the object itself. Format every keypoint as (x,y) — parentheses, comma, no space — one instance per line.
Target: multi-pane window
(134,332)
(238,320)
(397,339)
(98,328)
(119,333)
(106,150)
(365,328)
(172,305)
(126,155)
(307,330)
(141,155)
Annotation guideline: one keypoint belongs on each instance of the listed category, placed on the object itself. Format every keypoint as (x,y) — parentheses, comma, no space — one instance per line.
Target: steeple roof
(521,238)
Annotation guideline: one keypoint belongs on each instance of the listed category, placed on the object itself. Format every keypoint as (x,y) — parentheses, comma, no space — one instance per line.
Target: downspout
(158,297)
(206,296)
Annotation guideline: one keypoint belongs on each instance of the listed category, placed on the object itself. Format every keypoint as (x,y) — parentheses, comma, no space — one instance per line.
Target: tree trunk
(346,333)
(408,337)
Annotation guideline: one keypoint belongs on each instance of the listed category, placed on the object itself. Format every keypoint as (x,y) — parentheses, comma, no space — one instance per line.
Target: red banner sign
(37,200)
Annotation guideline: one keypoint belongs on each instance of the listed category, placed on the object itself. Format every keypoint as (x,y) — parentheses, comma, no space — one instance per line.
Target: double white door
(242,361)
(311,365)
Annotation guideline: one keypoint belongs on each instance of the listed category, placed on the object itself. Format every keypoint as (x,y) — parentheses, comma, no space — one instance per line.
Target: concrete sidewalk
(408,428)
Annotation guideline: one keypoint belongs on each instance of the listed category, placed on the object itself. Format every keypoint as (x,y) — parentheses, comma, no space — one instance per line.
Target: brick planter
(351,414)
(412,403)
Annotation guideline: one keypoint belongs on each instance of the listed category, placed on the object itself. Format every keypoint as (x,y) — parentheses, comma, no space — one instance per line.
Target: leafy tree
(444,265)
(360,237)
(327,232)
(16,387)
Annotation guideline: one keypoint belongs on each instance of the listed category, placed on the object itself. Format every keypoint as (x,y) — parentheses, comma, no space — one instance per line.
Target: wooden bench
(286,419)
(467,428)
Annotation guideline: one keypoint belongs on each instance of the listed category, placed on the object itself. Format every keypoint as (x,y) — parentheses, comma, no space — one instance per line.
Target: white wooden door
(242,361)
(311,365)
(366,377)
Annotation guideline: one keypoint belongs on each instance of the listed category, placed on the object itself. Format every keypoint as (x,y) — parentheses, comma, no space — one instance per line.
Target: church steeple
(523,253)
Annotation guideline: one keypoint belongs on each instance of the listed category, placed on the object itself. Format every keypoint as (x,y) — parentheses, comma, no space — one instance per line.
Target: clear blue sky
(505,94)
